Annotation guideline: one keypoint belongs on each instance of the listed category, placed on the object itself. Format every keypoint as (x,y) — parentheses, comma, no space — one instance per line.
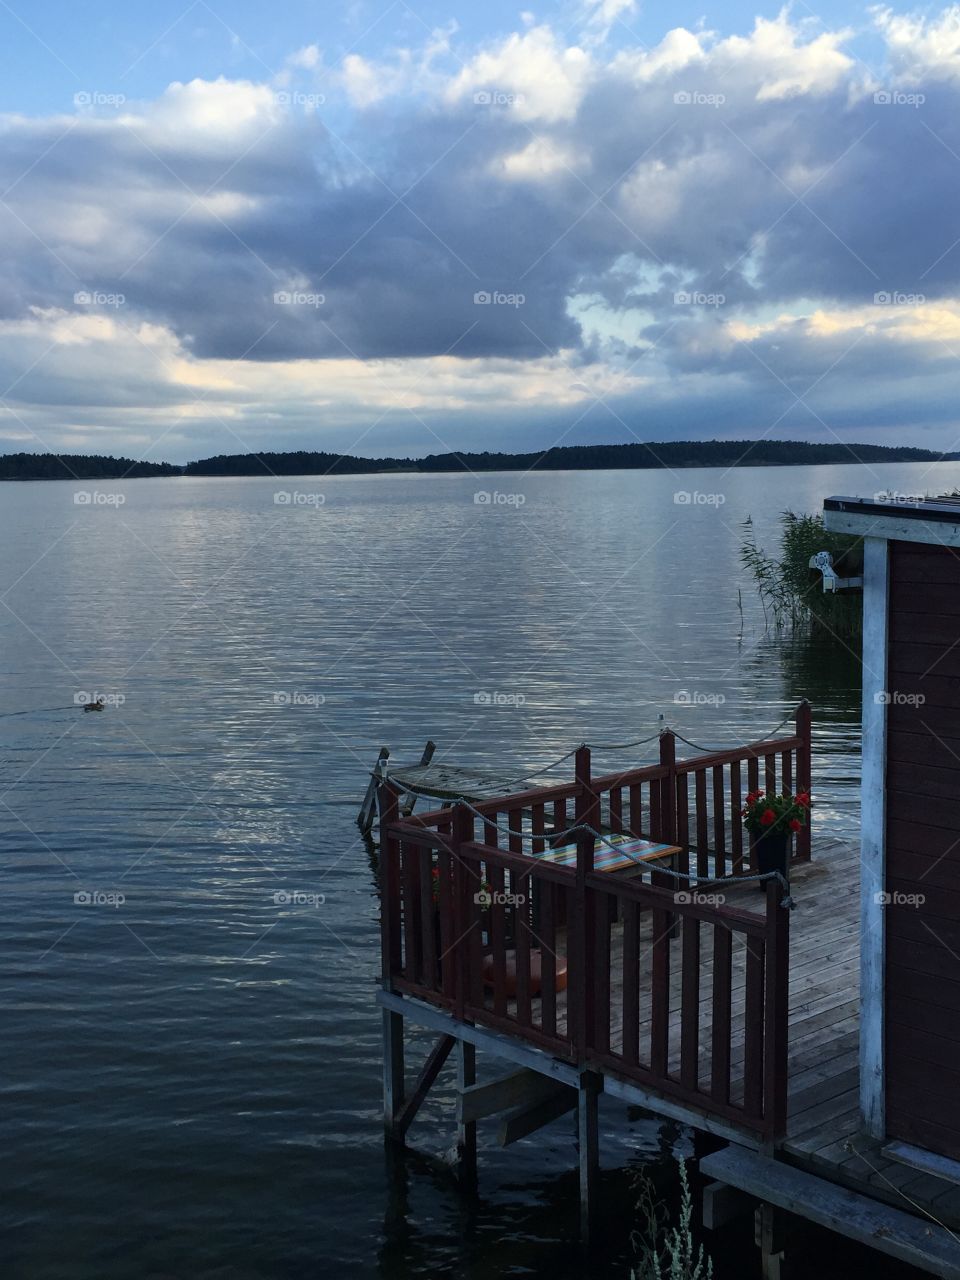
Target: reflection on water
(192,1078)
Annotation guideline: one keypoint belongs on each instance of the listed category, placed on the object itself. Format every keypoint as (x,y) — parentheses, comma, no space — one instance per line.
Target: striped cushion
(628,852)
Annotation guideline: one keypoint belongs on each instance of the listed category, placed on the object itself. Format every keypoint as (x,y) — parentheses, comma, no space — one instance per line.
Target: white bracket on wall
(823,563)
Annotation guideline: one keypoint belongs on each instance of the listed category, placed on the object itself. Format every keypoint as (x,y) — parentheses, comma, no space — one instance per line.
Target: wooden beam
(873,834)
(492,1042)
(917,1241)
(431,1069)
(521,1089)
(637,1096)
(722,1204)
(527,1119)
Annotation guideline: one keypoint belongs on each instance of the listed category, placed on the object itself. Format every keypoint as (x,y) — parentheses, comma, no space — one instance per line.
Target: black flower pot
(771,852)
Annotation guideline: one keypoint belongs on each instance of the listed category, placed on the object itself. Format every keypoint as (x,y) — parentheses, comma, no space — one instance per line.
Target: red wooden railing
(666,984)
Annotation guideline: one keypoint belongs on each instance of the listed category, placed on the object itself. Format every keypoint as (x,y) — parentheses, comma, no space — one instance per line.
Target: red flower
(795,824)
(767,817)
(803,798)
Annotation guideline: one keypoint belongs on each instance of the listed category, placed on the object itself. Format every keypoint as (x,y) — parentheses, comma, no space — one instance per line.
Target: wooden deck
(824,990)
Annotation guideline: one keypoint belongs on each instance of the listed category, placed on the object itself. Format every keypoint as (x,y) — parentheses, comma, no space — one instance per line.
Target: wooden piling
(466,1129)
(588,1140)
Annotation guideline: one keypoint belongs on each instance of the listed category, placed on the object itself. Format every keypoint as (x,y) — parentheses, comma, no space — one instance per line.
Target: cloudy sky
(407,228)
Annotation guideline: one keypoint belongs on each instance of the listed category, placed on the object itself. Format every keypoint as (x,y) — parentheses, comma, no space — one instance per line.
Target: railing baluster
(720,1046)
(458,957)
(616,810)
(631,982)
(660,978)
(428,917)
(753,773)
(447,958)
(559,816)
(753,1029)
(546,892)
(736,829)
(786,771)
(473,911)
(656,811)
(601,970)
(770,773)
(411,911)
(776,1014)
(515,823)
(753,784)
(538,825)
(690,1005)
(703,839)
(683,821)
(521,948)
(719,822)
(636,810)
(498,944)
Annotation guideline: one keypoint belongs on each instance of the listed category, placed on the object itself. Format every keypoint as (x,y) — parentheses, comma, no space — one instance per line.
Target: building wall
(922,913)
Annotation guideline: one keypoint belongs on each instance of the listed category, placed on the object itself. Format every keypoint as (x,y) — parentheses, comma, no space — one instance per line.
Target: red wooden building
(910,903)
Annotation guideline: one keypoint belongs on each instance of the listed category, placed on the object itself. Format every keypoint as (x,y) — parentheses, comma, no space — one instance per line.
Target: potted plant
(772,818)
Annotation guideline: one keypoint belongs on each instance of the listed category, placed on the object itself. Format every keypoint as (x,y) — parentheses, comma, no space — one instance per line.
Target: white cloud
(546,79)
(921,45)
(307,58)
(542,158)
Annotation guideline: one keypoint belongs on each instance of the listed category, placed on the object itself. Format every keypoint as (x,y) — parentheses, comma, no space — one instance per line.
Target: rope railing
(427,794)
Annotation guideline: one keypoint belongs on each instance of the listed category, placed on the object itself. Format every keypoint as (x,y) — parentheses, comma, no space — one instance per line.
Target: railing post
(461,832)
(776,1013)
(668,803)
(804,771)
(390,918)
(394,1089)
(587,813)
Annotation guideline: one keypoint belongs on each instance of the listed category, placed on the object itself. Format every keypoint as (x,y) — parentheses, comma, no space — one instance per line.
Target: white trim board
(897,527)
(873,834)
(924,1161)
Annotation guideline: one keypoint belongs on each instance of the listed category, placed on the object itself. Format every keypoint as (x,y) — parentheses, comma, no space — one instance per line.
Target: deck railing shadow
(650,976)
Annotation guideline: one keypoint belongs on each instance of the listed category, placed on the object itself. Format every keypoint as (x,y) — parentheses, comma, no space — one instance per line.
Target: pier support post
(466,1129)
(393,1077)
(769,1236)
(588,1139)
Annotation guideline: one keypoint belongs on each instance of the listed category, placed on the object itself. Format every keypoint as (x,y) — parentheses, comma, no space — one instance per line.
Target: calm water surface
(190,1079)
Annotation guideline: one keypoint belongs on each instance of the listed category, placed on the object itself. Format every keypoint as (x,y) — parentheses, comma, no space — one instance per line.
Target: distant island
(674,454)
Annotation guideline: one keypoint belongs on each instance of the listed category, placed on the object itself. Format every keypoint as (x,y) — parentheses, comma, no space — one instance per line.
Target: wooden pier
(685,987)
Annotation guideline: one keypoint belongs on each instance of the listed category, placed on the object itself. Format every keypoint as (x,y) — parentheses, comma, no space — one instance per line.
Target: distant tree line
(585,457)
(78,466)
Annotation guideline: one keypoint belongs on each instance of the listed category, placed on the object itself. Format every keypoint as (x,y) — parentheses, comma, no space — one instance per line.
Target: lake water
(191,1076)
